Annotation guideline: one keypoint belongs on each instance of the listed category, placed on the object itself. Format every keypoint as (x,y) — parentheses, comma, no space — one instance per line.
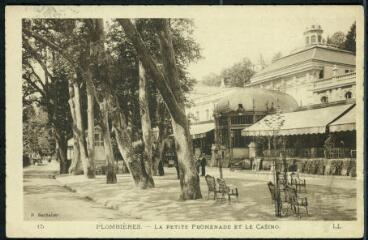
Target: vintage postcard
(184,121)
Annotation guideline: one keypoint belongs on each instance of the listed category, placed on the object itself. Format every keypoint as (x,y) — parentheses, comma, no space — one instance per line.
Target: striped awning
(200,130)
(345,123)
(312,121)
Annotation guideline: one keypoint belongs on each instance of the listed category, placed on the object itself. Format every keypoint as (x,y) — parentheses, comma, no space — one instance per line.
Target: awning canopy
(311,121)
(200,130)
(345,123)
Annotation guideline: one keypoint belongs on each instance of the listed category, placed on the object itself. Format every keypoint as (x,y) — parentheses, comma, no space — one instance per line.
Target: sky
(228,38)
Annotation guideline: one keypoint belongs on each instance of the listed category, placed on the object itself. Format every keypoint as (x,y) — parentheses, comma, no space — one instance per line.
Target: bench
(228,190)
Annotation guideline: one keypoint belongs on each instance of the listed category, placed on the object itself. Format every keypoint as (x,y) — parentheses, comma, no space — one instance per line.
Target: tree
(49,91)
(61,33)
(125,75)
(237,75)
(350,40)
(337,39)
(170,90)
(100,82)
(107,101)
(37,132)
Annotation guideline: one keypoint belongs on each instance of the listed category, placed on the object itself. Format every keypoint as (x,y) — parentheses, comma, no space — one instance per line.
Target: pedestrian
(161,171)
(198,164)
(203,165)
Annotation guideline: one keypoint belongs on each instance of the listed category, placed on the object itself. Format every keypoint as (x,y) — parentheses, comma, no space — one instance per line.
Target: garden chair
(295,202)
(272,189)
(211,184)
(228,190)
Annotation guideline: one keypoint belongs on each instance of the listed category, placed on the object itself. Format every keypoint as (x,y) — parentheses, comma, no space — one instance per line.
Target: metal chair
(228,190)
(211,184)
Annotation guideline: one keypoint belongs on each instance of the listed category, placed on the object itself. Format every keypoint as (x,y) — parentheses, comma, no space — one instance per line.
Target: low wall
(239,153)
(317,166)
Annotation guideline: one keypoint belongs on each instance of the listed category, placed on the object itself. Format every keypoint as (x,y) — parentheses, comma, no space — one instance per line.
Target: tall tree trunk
(87,171)
(189,179)
(62,151)
(132,160)
(162,135)
(75,166)
(146,121)
(109,154)
(91,129)
(168,85)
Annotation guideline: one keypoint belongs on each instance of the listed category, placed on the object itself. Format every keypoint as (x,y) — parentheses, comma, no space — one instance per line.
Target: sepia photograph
(236,122)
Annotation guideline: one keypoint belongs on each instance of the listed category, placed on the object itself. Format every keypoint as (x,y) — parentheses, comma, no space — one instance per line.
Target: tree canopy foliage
(235,76)
(344,41)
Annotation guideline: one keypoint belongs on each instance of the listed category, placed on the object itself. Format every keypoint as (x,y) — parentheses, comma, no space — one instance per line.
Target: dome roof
(255,99)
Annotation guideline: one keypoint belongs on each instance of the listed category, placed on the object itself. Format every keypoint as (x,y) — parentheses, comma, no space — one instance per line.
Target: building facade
(313,74)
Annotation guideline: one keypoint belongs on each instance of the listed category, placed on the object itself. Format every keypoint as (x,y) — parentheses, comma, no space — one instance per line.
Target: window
(197,116)
(347,70)
(313,39)
(98,139)
(319,38)
(208,114)
(348,95)
(321,74)
(324,99)
(307,40)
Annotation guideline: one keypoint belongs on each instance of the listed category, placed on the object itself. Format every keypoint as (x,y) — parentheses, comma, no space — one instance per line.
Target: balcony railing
(332,153)
(336,80)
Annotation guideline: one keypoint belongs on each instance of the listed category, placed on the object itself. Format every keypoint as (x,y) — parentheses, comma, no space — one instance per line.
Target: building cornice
(310,64)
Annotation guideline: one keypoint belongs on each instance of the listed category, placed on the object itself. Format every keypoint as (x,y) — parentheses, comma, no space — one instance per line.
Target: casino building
(311,92)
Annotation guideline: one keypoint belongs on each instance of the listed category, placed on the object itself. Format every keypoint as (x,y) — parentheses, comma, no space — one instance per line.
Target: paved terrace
(330,197)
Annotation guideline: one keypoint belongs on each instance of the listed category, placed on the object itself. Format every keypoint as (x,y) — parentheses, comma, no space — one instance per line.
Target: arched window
(313,39)
(307,40)
(324,99)
(348,95)
(319,38)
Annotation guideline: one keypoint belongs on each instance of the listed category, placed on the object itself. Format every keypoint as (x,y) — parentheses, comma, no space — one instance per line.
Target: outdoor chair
(211,184)
(272,189)
(228,190)
(298,183)
(295,202)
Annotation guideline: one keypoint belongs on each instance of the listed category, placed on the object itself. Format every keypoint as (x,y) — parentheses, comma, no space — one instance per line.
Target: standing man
(198,164)
(203,164)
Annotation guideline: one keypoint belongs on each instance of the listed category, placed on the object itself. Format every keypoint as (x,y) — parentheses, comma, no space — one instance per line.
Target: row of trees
(128,78)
